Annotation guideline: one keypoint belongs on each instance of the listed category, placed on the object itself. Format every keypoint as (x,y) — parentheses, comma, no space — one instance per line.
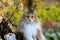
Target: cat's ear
(34,12)
(25,11)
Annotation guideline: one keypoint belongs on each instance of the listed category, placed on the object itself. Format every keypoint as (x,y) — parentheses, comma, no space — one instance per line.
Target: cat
(29,27)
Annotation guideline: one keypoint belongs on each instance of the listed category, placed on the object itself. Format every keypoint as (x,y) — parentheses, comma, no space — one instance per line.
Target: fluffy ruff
(31,31)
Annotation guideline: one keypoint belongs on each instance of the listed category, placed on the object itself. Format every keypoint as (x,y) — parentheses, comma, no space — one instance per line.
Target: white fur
(29,21)
(30,29)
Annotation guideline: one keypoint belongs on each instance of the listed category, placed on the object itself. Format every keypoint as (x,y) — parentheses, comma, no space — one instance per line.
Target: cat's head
(30,16)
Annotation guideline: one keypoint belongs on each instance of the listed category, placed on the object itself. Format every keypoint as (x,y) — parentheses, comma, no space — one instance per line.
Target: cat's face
(30,17)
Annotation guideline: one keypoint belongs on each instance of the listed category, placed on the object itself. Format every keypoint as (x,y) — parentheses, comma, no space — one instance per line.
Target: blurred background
(48,12)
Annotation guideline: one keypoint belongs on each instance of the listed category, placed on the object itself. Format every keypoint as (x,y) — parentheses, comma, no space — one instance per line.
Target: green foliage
(44,11)
(16,18)
(50,12)
(52,35)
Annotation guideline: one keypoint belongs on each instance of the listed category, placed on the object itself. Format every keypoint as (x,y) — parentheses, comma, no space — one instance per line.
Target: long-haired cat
(29,27)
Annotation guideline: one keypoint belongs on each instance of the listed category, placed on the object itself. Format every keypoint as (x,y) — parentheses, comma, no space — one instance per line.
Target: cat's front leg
(40,35)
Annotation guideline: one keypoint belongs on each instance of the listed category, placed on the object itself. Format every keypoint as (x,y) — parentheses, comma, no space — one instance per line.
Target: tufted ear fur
(25,11)
(34,12)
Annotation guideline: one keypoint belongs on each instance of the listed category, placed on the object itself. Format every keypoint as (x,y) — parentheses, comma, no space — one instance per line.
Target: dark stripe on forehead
(30,12)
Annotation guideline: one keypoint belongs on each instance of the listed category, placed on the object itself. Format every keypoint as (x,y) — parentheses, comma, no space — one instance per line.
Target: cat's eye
(27,16)
(30,16)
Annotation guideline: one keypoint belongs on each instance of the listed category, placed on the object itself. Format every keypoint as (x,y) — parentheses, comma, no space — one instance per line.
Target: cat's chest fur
(30,28)
(30,31)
